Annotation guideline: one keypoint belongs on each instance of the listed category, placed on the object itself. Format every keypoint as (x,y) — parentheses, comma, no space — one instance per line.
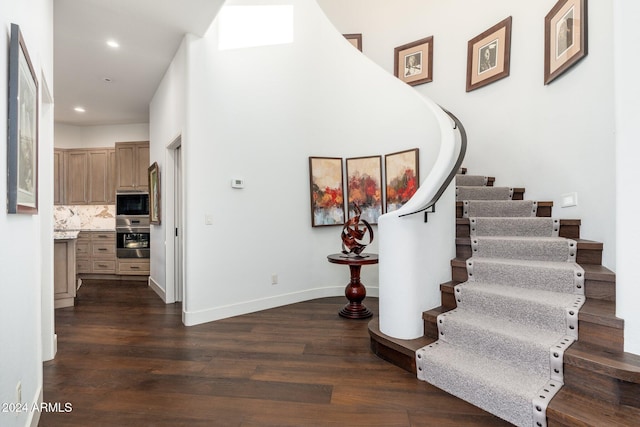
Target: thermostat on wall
(237,183)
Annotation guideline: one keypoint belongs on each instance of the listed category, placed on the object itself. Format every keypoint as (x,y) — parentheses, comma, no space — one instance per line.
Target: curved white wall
(259,113)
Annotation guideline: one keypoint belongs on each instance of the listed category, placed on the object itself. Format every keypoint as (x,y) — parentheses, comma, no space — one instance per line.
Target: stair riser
(596,289)
(601,387)
(568,231)
(605,337)
(583,256)
(408,363)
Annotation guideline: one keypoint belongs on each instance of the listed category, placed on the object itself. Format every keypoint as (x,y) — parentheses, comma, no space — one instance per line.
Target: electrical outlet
(274,279)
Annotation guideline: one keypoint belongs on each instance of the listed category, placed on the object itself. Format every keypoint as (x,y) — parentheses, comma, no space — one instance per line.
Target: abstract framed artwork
(402,177)
(22,142)
(154,194)
(327,191)
(364,187)
(565,37)
(489,55)
(355,40)
(413,62)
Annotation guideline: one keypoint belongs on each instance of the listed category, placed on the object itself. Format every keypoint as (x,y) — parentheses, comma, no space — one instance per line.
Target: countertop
(65,235)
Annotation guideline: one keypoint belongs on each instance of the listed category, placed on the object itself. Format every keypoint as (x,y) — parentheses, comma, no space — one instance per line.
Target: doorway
(174,228)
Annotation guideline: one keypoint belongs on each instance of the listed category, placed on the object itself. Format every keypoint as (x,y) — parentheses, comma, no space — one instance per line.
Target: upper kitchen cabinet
(132,164)
(76,177)
(84,176)
(58,177)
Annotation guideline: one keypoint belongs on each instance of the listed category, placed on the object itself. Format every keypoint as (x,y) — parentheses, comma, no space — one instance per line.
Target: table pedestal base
(355,290)
(355,293)
(355,310)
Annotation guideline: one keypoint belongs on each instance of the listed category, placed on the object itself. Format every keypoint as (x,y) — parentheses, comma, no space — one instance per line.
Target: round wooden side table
(355,290)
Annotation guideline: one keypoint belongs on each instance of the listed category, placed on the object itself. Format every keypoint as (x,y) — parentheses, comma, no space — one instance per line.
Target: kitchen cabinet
(88,177)
(76,173)
(64,272)
(134,266)
(132,165)
(58,177)
(96,252)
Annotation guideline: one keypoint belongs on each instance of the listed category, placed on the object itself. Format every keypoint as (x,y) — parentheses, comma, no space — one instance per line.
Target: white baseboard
(157,289)
(34,416)
(203,316)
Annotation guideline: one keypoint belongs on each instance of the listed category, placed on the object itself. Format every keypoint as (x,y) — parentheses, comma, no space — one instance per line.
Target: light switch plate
(568,200)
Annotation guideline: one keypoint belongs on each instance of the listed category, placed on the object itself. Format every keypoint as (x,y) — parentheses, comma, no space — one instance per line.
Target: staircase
(601,382)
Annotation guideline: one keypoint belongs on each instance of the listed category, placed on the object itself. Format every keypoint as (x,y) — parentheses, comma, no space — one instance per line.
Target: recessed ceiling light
(79,110)
(112,43)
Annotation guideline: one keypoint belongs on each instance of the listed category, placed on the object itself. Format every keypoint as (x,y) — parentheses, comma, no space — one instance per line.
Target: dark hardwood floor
(125,359)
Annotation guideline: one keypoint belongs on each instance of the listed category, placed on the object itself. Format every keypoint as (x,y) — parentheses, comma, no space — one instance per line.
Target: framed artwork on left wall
(327,191)
(22,141)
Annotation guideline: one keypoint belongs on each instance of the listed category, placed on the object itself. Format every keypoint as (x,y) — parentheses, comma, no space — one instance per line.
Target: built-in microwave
(132,204)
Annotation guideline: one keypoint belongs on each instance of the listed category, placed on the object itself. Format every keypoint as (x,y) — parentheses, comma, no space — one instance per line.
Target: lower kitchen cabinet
(96,252)
(134,266)
(64,272)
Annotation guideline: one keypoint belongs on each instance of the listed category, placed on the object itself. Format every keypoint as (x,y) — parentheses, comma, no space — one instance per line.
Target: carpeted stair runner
(471,180)
(502,348)
(503,208)
(483,193)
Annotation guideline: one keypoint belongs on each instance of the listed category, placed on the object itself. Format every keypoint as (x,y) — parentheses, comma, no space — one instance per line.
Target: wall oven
(132,237)
(132,225)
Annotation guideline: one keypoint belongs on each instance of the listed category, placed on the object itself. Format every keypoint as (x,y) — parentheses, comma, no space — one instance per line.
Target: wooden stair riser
(600,286)
(568,228)
(588,252)
(598,335)
(602,387)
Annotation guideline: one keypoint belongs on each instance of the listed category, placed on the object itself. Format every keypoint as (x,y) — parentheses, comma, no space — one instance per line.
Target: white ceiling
(149,33)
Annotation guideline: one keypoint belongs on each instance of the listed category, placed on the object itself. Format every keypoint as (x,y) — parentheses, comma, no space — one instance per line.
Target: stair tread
(620,365)
(591,271)
(465,221)
(595,311)
(495,372)
(572,408)
(501,327)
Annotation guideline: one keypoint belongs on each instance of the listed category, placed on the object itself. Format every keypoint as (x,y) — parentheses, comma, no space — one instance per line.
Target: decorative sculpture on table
(354,234)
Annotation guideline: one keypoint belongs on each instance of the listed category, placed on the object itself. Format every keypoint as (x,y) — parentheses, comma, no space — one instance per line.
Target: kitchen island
(64,268)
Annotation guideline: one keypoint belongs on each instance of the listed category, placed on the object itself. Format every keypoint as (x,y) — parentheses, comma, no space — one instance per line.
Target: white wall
(627,90)
(26,259)
(70,136)
(550,139)
(167,113)
(259,113)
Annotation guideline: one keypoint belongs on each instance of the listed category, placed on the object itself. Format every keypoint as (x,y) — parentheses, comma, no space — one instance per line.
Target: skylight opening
(251,26)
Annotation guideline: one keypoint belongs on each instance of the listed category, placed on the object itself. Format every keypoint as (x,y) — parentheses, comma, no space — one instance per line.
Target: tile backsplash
(84,217)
